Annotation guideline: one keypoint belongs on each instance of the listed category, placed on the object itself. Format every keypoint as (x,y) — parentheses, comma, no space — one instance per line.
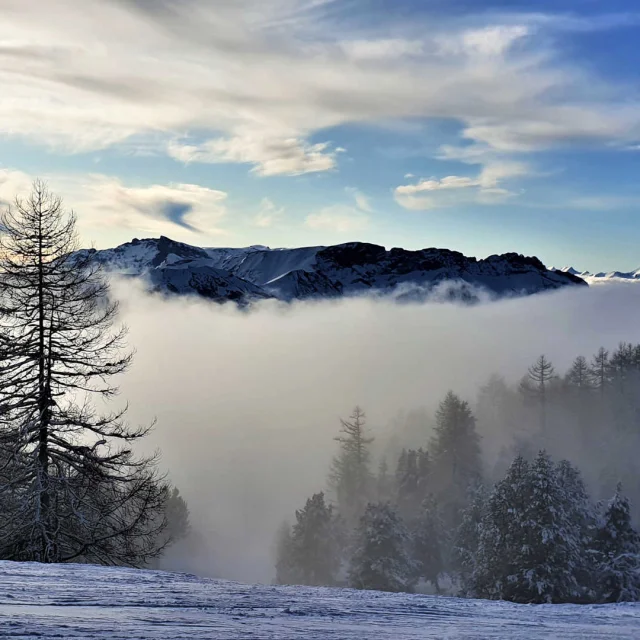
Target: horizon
(485,128)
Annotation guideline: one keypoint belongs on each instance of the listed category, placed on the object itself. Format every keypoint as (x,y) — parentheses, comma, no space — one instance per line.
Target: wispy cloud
(602,202)
(271,156)
(485,188)
(338,219)
(268,215)
(362,201)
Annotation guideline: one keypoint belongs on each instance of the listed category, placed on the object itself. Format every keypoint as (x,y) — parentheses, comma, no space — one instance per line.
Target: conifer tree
(501,534)
(401,468)
(384,482)
(381,559)
(600,370)
(429,542)
(467,536)
(618,546)
(536,386)
(424,472)
(351,479)
(316,543)
(579,375)
(455,457)
(78,492)
(177,516)
(529,546)
(408,498)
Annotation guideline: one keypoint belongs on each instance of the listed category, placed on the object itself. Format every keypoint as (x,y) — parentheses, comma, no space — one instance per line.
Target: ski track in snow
(82,601)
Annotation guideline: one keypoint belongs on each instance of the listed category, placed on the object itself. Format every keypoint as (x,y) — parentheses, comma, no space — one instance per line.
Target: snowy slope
(198,276)
(325,272)
(80,601)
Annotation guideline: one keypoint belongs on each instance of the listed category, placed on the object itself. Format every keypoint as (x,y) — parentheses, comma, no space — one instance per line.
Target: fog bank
(247,403)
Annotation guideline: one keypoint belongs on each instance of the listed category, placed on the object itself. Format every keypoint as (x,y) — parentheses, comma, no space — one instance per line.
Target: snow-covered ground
(79,601)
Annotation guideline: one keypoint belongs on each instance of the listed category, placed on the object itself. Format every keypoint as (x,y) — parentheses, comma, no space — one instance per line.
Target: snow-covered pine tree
(316,543)
(77,490)
(617,544)
(381,558)
(350,478)
(455,458)
(429,542)
(554,547)
(581,512)
(501,534)
(530,549)
(467,537)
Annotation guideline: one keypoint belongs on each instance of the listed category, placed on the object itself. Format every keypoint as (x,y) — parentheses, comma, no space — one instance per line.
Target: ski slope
(81,601)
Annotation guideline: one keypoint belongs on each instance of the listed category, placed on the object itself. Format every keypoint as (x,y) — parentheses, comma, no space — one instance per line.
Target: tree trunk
(43,405)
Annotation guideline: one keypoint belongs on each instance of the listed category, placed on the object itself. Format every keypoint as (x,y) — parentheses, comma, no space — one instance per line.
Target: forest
(543,518)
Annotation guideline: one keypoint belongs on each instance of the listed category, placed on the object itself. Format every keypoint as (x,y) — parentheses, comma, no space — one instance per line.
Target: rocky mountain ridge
(350,269)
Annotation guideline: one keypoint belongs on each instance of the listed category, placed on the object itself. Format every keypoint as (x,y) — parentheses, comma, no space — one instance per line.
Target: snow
(602,277)
(82,601)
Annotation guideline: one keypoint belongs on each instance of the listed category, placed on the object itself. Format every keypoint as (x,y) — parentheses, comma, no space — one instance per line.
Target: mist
(248,402)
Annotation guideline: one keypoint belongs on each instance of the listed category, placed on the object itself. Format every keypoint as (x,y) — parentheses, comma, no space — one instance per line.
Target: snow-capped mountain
(602,276)
(354,268)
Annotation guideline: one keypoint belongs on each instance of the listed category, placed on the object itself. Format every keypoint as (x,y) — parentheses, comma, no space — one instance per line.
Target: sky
(484,126)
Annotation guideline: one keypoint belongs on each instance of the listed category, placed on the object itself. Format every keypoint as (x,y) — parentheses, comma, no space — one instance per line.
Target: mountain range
(603,276)
(355,268)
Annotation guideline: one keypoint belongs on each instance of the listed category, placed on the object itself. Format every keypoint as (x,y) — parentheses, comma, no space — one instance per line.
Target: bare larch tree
(71,488)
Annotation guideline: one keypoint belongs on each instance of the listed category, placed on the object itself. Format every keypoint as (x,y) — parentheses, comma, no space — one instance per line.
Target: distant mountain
(602,276)
(255,273)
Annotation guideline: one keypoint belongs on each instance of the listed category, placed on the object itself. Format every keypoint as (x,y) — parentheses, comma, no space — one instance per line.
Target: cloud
(362,201)
(490,41)
(105,204)
(602,202)
(270,156)
(13,183)
(155,208)
(485,188)
(382,50)
(340,219)
(254,82)
(268,215)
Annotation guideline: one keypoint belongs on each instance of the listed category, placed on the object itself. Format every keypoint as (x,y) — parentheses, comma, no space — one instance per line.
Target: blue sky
(483,126)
